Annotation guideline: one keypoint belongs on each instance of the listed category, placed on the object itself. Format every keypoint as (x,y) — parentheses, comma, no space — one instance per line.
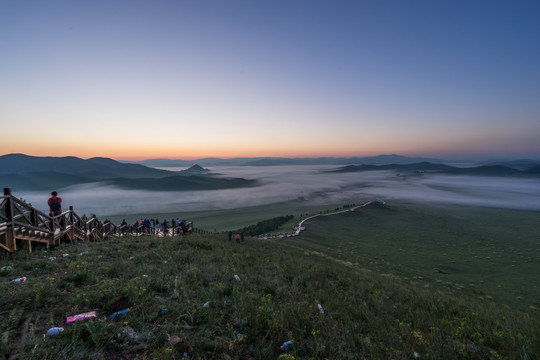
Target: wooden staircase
(23,225)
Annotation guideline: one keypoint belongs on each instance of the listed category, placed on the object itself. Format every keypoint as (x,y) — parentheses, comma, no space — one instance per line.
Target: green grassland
(489,254)
(223,220)
(440,282)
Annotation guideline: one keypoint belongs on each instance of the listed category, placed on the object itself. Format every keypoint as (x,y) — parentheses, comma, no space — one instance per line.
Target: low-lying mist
(308,183)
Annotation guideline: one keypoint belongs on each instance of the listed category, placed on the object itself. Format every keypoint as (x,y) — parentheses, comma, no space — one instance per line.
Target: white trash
(54,331)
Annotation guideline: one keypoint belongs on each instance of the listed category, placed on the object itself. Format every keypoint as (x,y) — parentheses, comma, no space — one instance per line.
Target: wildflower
(286,357)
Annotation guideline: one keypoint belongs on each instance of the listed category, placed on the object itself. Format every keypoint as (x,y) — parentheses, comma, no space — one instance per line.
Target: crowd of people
(154,226)
(142,226)
(238,236)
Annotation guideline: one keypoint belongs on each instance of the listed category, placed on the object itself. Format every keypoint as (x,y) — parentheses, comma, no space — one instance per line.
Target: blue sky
(188,79)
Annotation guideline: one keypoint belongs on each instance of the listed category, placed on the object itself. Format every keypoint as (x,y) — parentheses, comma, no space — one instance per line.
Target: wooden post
(35,220)
(53,226)
(11,243)
(72,223)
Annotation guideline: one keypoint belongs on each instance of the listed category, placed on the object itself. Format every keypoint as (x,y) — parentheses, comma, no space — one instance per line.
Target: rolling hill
(23,172)
(432,168)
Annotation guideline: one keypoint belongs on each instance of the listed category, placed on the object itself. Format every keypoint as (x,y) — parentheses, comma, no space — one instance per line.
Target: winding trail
(300,226)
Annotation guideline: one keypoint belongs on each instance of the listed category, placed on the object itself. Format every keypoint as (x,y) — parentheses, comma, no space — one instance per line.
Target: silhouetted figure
(55,204)
(165,227)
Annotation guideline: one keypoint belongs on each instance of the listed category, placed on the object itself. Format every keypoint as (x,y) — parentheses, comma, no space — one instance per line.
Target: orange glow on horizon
(137,155)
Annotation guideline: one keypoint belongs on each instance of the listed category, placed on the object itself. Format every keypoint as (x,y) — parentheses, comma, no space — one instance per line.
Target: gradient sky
(190,79)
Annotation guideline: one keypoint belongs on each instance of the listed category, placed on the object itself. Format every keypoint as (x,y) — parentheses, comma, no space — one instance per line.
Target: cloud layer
(285,183)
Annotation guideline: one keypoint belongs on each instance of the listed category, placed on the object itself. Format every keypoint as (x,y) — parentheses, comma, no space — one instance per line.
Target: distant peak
(196,169)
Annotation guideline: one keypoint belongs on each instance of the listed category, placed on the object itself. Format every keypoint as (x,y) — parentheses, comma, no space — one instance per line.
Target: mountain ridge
(24,172)
(431,168)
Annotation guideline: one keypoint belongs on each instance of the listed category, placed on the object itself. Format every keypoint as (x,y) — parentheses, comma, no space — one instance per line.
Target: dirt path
(301,227)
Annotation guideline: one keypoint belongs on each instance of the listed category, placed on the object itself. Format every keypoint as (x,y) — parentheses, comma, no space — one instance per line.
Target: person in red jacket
(55,204)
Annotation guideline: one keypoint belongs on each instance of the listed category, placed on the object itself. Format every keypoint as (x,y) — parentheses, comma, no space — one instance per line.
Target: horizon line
(505,157)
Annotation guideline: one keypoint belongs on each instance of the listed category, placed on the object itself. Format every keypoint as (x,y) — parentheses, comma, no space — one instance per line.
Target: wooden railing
(21,223)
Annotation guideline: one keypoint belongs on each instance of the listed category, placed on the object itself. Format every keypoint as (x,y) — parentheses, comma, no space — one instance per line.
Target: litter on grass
(79,317)
(287,345)
(131,334)
(54,331)
(121,312)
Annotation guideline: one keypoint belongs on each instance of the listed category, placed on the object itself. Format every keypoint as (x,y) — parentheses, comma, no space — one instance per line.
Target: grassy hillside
(166,282)
(223,220)
(483,253)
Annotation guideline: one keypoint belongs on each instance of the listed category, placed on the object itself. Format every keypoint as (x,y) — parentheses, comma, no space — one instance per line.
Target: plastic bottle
(19,280)
(121,312)
(287,345)
(320,308)
(206,304)
(237,277)
(54,331)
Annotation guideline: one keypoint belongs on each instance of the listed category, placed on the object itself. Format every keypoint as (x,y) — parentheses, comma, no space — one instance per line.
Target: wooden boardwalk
(22,225)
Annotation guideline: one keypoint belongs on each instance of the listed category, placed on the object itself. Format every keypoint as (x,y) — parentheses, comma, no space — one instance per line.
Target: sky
(183,79)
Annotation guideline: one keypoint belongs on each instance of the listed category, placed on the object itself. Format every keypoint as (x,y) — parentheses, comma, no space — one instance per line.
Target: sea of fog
(311,183)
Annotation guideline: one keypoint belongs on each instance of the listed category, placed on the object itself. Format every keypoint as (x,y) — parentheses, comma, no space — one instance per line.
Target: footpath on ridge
(301,227)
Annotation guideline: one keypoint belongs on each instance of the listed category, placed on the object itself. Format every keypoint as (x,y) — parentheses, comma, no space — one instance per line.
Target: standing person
(165,229)
(237,237)
(241,236)
(229,234)
(55,204)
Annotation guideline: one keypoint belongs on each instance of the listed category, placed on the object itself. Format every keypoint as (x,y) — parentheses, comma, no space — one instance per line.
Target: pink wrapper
(79,317)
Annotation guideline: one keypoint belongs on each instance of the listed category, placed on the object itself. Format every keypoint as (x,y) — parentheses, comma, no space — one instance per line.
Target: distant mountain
(534,170)
(168,163)
(521,164)
(276,161)
(156,163)
(195,170)
(23,172)
(427,167)
(415,167)
(40,180)
(94,168)
(371,160)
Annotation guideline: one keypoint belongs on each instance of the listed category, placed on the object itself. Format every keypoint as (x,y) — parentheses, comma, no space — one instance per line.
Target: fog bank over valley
(307,184)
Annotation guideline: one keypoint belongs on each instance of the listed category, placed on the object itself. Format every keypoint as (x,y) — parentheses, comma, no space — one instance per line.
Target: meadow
(399,281)
(485,253)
